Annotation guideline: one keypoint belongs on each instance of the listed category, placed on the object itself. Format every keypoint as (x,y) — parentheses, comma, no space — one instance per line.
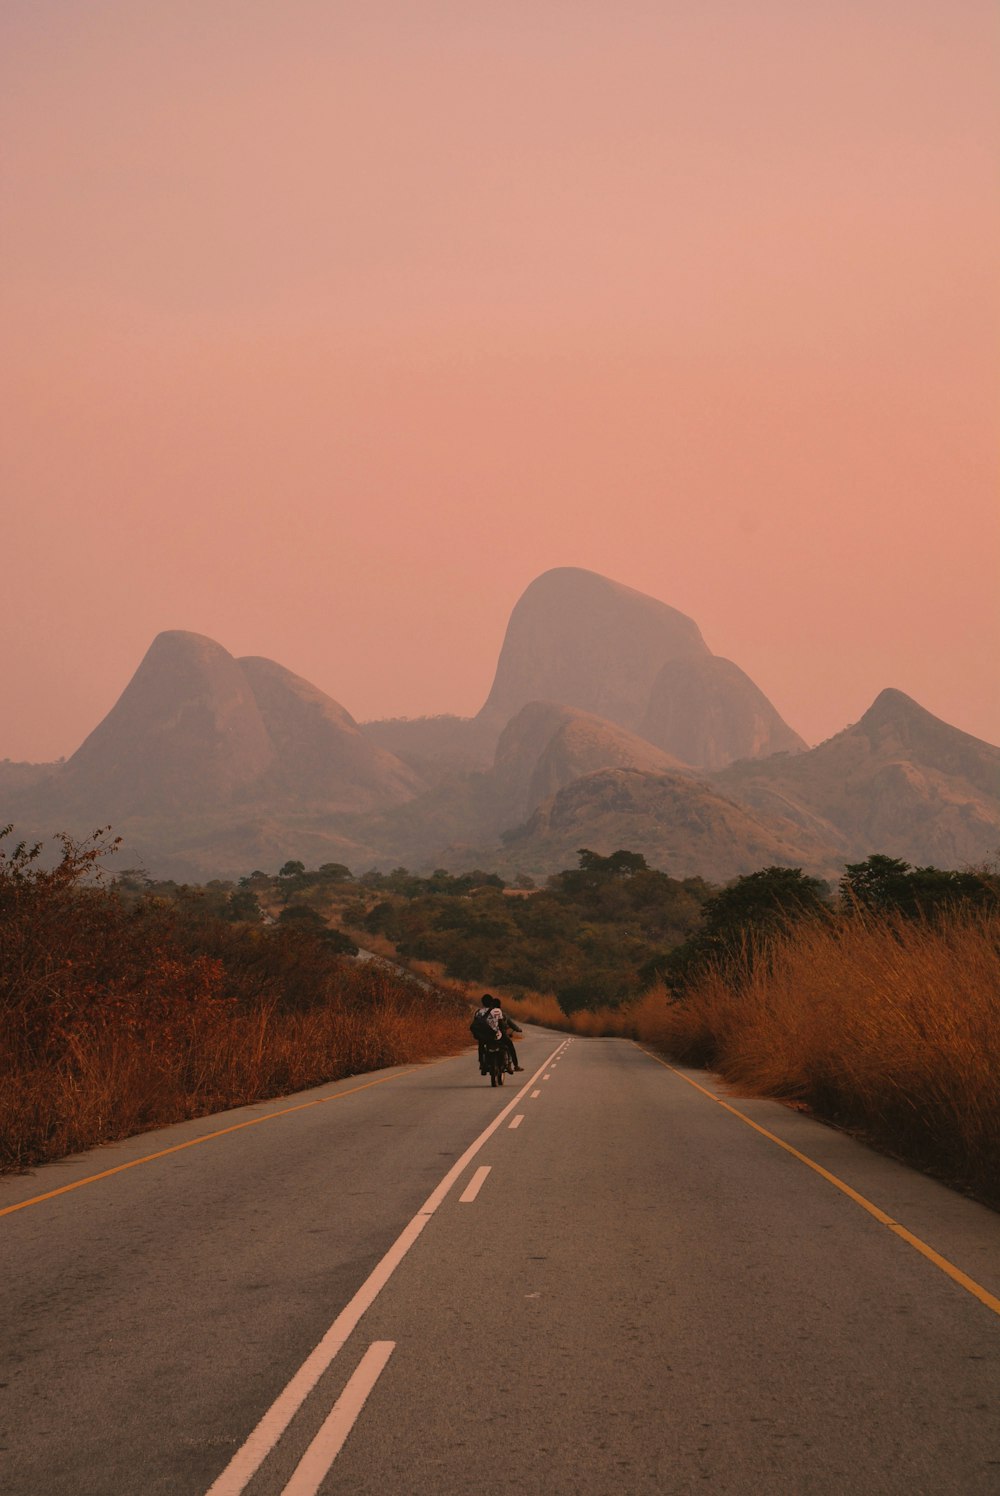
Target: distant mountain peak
(900,781)
(894,705)
(893,714)
(186,729)
(582,640)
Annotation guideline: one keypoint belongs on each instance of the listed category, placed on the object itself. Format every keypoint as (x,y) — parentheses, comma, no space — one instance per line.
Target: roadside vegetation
(875,1006)
(886,1024)
(125,1005)
(594,935)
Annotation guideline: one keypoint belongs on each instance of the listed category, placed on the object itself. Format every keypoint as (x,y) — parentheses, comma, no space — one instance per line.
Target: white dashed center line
(474,1185)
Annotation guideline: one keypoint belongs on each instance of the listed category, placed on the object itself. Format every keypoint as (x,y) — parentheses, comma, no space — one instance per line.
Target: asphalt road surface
(598,1279)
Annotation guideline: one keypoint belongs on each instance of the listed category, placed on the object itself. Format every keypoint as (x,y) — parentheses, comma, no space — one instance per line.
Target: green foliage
(734,920)
(300,917)
(887,884)
(244,906)
(410,885)
(586,936)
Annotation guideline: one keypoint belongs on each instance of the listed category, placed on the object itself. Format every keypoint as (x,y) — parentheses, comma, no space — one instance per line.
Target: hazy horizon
(329,329)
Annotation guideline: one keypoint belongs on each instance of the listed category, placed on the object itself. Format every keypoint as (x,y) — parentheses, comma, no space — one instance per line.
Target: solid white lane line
(517,1121)
(250,1456)
(534,1094)
(324,1449)
(474,1185)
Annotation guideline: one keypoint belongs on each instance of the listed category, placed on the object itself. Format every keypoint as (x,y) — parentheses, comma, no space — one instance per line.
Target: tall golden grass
(887,1026)
(112,1081)
(120,1014)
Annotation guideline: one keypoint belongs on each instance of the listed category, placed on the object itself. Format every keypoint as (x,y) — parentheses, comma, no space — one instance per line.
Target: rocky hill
(900,781)
(707,711)
(547,746)
(320,753)
(185,734)
(679,824)
(460,819)
(209,765)
(586,642)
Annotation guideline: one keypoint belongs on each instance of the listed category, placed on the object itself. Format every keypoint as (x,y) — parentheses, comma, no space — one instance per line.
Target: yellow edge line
(193,1142)
(949,1268)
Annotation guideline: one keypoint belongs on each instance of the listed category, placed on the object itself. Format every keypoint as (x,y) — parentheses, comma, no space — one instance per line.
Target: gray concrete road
(642,1294)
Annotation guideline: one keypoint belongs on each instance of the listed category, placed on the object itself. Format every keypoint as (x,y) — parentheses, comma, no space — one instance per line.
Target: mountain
(320,752)
(185,733)
(434,747)
(547,746)
(610,724)
(209,766)
(900,781)
(707,711)
(586,642)
(459,820)
(679,824)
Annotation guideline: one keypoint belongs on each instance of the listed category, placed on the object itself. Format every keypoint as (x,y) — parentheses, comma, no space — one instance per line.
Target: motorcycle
(496,1060)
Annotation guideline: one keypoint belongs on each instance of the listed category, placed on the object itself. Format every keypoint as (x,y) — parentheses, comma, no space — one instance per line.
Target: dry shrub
(113,1082)
(886,1025)
(537,1007)
(542,1008)
(117,1017)
(606,1022)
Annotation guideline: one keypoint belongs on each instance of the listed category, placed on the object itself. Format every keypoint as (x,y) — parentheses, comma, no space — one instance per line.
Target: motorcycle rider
(502,1026)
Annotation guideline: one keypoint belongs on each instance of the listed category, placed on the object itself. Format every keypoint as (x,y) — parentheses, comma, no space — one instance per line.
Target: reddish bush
(117,1016)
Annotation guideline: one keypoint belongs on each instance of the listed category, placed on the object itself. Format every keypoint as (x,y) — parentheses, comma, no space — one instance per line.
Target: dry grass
(112,1082)
(118,1015)
(887,1026)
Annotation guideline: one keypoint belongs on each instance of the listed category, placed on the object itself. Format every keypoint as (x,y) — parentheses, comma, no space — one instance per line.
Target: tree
(244,907)
(756,905)
(889,885)
(300,917)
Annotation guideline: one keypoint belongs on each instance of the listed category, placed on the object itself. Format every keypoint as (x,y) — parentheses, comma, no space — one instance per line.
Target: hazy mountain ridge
(321,754)
(900,781)
(681,825)
(709,712)
(580,639)
(210,766)
(547,746)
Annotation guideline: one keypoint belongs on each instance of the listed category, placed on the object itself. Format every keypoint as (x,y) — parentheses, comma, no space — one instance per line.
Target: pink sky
(329,324)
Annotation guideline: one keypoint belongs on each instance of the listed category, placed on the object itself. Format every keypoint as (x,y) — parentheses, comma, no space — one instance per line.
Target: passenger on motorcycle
(492,1014)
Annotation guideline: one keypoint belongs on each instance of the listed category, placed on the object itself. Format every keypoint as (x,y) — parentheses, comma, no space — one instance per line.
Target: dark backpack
(482,1029)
